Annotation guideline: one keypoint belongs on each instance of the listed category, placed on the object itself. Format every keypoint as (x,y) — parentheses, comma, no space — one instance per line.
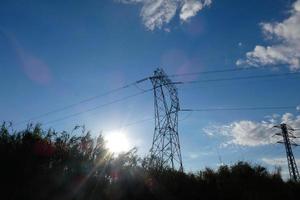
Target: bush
(39,164)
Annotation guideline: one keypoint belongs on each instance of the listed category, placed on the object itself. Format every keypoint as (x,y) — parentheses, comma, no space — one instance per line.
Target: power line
(106,104)
(240,78)
(131,124)
(239,108)
(144,79)
(221,71)
(186,117)
(97,107)
(183,110)
(82,101)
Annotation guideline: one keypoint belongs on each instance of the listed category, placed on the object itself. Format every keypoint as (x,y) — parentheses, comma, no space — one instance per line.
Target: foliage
(39,164)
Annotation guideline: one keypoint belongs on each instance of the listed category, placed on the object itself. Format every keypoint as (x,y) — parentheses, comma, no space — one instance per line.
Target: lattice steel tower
(165,150)
(288,136)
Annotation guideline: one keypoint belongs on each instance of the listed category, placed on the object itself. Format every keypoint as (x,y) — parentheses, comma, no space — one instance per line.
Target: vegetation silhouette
(45,164)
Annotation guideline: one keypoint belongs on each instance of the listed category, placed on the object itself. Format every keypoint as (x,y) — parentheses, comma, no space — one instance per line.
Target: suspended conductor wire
(144,79)
(186,117)
(241,78)
(130,124)
(222,71)
(82,101)
(239,108)
(103,105)
(97,107)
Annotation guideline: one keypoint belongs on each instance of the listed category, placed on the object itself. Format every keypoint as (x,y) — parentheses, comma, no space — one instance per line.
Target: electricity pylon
(288,136)
(165,150)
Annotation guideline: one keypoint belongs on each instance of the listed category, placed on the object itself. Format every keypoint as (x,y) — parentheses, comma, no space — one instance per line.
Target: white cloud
(250,133)
(196,155)
(156,13)
(191,7)
(286,43)
(193,155)
(298,108)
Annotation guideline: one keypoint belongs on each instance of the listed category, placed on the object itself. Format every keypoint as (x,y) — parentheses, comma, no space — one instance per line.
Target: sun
(117,142)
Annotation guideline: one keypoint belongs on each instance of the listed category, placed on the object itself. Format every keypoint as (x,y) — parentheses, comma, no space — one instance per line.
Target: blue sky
(55,53)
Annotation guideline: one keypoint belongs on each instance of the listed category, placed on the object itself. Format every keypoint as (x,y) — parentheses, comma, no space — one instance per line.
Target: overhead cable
(239,108)
(82,101)
(240,78)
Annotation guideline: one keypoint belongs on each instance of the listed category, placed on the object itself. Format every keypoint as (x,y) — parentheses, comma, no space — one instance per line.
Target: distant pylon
(165,150)
(288,136)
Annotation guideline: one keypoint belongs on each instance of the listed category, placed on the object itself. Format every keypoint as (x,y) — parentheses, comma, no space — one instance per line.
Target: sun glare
(117,142)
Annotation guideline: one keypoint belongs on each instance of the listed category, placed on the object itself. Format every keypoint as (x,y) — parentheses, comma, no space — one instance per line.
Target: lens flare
(117,142)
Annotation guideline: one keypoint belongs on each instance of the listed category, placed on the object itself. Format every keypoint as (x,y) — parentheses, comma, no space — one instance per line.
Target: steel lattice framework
(165,150)
(287,134)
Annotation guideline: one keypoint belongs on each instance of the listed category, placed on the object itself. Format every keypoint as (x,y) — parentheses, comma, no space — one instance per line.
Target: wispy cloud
(275,161)
(197,154)
(285,37)
(193,155)
(280,162)
(251,133)
(157,13)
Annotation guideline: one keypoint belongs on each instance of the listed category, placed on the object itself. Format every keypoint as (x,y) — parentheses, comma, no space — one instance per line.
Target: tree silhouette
(45,164)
